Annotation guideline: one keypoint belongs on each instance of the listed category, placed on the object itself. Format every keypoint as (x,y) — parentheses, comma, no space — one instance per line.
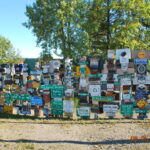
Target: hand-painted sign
(141,61)
(36,101)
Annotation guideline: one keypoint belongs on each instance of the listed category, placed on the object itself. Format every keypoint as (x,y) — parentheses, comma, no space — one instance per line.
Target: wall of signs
(118,84)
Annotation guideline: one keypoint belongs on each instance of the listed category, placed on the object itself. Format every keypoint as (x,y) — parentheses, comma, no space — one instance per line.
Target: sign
(68,106)
(126,96)
(102,98)
(141,54)
(37,72)
(110,114)
(57,93)
(124,60)
(110,108)
(139,94)
(83,111)
(125,81)
(95,90)
(120,51)
(36,101)
(126,109)
(141,111)
(83,94)
(141,61)
(111,54)
(141,69)
(94,75)
(47,87)
(124,66)
(125,76)
(57,107)
(110,86)
(8,109)
(141,79)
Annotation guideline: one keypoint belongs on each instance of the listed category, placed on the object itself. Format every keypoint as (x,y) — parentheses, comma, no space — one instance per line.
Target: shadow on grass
(107,142)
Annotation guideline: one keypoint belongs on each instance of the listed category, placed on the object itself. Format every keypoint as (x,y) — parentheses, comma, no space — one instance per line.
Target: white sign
(111,54)
(68,106)
(115,77)
(69,92)
(110,108)
(83,111)
(110,114)
(110,86)
(124,66)
(126,96)
(104,77)
(124,60)
(126,81)
(148,79)
(95,90)
(119,51)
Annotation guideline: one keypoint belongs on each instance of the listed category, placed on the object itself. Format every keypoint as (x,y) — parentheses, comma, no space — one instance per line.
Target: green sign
(10,97)
(83,111)
(125,76)
(94,75)
(126,109)
(144,111)
(83,63)
(47,87)
(83,94)
(57,93)
(117,83)
(57,107)
(104,82)
(102,98)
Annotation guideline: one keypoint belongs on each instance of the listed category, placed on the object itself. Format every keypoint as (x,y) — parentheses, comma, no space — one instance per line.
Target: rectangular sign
(57,93)
(141,61)
(95,90)
(83,111)
(68,106)
(36,101)
(125,76)
(102,98)
(126,109)
(125,81)
(110,108)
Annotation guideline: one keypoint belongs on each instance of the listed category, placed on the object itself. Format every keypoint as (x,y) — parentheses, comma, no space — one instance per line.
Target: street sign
(141,61)
(57,93)
(57,107)
(141,111)
(126,109)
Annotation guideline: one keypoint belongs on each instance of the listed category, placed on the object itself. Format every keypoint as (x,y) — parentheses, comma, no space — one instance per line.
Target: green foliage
(73,28)
(7,53)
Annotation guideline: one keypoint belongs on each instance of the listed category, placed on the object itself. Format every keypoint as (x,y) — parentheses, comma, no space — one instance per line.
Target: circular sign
(141,69)
(141,54)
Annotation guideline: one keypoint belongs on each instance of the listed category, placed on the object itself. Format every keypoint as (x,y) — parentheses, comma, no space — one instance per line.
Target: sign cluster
(119,83)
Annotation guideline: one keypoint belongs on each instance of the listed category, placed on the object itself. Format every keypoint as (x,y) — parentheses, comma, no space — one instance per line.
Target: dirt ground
(73,134)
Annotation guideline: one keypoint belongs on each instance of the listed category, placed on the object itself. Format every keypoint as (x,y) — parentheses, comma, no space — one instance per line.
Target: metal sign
(141,69)
(141,61)
(83,94)
(127,109)
(95,90)
(68,106)
(125,81)
(110,108)
(102,98)
(47,87)
(57,93)
(110,114)
(141,111)
(83,111)
(57,107)
(139,94)
(125,76)
(36,101)
(120,51)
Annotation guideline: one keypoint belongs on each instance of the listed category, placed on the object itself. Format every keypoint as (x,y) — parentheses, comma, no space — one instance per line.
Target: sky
(12,15)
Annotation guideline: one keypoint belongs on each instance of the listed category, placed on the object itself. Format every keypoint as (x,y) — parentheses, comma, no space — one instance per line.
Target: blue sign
(141,61)
(36,101)
(139,94)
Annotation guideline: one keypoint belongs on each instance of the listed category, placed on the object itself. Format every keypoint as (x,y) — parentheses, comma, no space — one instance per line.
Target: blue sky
(12,15)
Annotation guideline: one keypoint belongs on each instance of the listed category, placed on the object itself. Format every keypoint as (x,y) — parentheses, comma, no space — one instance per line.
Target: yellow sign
(8,109)
(36,85)
(78,70)
(141,54)
(142,103)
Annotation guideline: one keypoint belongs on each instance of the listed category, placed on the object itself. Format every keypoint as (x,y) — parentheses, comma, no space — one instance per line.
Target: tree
(56,25)
(73,28)
(7,53)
